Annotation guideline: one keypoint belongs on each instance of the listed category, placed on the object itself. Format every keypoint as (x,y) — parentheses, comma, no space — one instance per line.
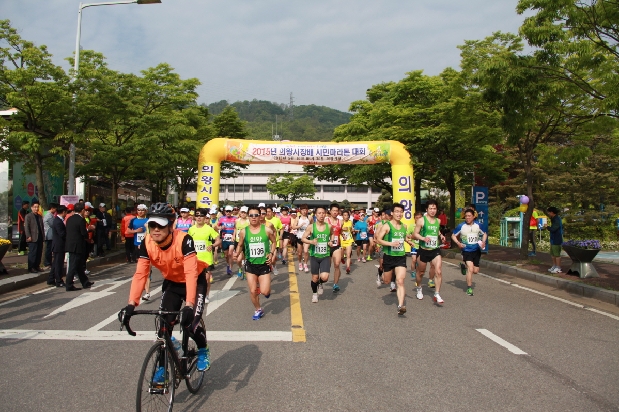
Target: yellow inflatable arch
(305,153)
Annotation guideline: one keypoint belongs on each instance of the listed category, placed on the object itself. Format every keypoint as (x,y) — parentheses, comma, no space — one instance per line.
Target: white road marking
(114,316)
(14,300)
(213,336)
(81,300)
(512,348)
(44,290)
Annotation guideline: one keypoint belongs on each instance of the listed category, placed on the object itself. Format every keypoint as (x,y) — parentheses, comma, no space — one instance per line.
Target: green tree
(290,188)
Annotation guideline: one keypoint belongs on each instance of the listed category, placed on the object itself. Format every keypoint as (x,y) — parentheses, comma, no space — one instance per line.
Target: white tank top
(303,224)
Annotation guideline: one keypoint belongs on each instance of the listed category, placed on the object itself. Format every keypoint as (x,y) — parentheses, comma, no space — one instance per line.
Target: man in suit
(35,234)
(59,237)
(47,225)
(76,247)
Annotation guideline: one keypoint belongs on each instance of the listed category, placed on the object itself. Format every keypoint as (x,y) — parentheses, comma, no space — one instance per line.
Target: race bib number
(433,243)
(140,237)
(400,247)
(286,228)
(256,250)
(335,241)
(200,245)
(345,235)
(472,238)
(321,248)
(228,237)
(363,235)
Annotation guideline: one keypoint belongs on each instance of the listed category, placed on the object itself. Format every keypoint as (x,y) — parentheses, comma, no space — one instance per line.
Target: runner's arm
(272,243)
(418,226)
(306,234)
(384,229)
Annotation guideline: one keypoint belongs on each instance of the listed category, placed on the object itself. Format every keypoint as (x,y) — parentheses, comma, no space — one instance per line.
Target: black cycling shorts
(257,269)
(320,265)
(428,256)
(392,262)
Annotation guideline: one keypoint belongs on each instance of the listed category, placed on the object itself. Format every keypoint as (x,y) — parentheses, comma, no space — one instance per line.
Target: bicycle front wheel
(194,377)
(156,384)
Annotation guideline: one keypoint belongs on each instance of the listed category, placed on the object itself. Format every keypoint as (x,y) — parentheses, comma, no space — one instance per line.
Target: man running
(301,224)
(372,220)
(334,246)
(137,228)
(241,223)
(277,225)
(471,245)
(226,227)
(414,244)
(427,231)
(257,244)
(318,235)
(392,235)
(205,240)
(285,234)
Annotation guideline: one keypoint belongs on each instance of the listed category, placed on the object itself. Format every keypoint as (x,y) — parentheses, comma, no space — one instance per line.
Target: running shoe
(267,296)
(551,269)
(146,296)
(320,289)
(413,274)
(431,283)
(469,291)
(206,299)
(393,288)
(438,299)
(557,270)
(305,268)
(379,281)
(275,271)
(336,288)
(300,267)
(258,314)
(363,260)
(283,261)
(239,274)
(419,293)
(204,359)
(401,310)
(348,271)
(228,270)
(257,289)
(315,298)
(358,260)
(369,258)
(463,269)
(159,377)
(279,255)
(532,254)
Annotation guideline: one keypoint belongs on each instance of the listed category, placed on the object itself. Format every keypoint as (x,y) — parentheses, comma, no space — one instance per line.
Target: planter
(3,250)
(582,261)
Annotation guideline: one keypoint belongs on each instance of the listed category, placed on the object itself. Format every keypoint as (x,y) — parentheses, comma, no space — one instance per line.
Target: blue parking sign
(480,200)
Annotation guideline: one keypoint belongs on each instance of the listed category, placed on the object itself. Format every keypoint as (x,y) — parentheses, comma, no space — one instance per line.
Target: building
(250,187)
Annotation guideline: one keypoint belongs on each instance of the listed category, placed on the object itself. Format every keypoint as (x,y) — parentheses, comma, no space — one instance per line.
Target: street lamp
(71,188)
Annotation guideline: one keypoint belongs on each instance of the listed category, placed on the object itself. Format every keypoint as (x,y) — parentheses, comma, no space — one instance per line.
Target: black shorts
(286,235)
(333,249)
(258,270)
(472,257)
(428,256)
(362,242)
(172,297)
(293,240)
(392,262)
(320,265)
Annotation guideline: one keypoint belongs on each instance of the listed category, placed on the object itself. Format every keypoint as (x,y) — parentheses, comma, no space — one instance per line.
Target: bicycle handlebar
(121,317)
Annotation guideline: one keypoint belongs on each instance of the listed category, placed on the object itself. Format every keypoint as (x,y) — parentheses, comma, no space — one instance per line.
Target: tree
(385,200)
(290,188)
(228,124)
(40,91)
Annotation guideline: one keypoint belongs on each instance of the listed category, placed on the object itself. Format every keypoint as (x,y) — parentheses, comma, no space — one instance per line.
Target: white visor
(159,220)
(184,209)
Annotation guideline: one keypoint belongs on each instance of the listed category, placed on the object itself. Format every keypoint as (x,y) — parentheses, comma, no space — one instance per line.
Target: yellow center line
(296,317)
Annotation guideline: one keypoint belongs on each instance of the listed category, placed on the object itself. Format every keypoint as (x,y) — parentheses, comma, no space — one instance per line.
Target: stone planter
(582,261)
(3,250)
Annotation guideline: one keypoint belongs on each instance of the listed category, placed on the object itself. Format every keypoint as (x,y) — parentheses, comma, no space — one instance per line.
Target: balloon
(523,208)
(524,200)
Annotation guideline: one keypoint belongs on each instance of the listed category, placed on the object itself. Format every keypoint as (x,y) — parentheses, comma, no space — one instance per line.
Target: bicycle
(151,395)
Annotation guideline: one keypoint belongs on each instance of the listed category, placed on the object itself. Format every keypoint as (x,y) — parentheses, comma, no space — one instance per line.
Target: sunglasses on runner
(253,215)
(263,213)
(155,225)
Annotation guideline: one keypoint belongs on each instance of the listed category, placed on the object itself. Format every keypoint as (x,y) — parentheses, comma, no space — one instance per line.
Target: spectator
(556,238)
(35,233)
(21,218)
(59,237)
(442,219)
(128,237)
(104,224)
(91,227)
(76,247)
(48,219)
(533,231)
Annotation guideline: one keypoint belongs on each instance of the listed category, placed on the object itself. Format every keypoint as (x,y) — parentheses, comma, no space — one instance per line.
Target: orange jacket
(172,264)
(124,224)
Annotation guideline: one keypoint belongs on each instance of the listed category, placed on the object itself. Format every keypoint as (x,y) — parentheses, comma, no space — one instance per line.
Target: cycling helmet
(161,210)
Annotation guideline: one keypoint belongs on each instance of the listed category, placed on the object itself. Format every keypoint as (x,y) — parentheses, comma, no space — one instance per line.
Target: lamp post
(76,66)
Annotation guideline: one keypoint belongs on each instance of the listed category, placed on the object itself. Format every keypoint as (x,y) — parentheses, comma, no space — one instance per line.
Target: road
(506,348)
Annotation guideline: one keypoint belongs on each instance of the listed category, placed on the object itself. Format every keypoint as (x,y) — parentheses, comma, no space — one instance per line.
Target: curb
(608,296)
(23,281)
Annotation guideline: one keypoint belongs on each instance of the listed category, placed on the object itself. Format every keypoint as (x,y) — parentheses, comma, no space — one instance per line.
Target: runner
(427,231)
(372,220)
(257,244)
(347,239)
(385,217)
(185,221)
(293,233)
(205,239)
(471,245)
(226,228)
(285,218)
(301,225)
(318,235)
(137,227)
(277,225)
(334,246)
(212,222)
(392,235)
(414,244)
(361,237)
(241,223)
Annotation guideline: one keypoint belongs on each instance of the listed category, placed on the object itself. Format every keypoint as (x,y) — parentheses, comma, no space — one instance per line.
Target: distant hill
(311,123)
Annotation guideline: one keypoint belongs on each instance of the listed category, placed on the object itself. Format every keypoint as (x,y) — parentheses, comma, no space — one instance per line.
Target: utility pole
(291,106)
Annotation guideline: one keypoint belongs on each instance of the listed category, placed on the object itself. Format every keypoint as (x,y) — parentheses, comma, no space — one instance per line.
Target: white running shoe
(275,271)
(552,269)
(378,281)
(305,268)
(300,267)
(419,293)
(146,296)
(438,299)
(557,270)
(206,299)
(393,288)
(315,298)
(320,289)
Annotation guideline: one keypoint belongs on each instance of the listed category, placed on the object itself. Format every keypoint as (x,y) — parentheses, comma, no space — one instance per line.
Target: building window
(259,188)
(357,189)
(317,188)
(237,189)
(335,188)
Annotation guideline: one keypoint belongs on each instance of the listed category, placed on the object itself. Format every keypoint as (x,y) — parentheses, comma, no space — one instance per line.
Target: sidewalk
(18,276)
(508,260)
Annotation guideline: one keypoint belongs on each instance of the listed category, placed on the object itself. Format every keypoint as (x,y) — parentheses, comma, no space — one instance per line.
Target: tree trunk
(450,182)
(524,245)
(114,198)
(39,181)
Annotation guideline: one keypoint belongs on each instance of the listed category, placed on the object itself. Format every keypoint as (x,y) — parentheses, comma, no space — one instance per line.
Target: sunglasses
(253,215)
(263,213)
(155,225)
(197,215)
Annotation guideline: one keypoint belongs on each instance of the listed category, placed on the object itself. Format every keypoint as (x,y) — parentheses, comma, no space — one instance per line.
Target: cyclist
(174,254)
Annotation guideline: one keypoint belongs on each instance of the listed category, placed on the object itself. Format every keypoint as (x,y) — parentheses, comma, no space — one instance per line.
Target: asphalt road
(68,354)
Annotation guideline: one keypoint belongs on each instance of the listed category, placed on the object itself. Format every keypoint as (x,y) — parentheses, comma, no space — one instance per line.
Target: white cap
(88,204)
(376,209)
(213,212)
(228,208)
(244,208)
(159,220)
(101,204)
(142,206)
(276,209)
(184,209)
(261,205)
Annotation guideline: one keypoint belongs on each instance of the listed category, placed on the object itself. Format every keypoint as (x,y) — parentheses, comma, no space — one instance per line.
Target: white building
(250,187)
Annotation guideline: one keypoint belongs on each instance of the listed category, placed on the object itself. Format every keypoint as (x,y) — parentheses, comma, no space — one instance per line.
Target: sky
(324,52)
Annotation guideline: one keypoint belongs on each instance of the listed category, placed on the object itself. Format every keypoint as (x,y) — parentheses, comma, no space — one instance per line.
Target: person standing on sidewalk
(35,233)
(48,219)
(556,238)
(76,247)
(59,237)
(533,231)
(124,225)
(21,220)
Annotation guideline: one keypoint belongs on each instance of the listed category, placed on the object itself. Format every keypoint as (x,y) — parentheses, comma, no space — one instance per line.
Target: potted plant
(5,245)
(582,253)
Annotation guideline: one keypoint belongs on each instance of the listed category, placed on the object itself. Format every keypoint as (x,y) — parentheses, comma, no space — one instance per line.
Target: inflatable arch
(305,153)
